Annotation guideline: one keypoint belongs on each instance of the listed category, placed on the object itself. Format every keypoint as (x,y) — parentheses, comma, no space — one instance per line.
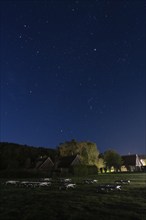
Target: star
(30,92)
(91,107)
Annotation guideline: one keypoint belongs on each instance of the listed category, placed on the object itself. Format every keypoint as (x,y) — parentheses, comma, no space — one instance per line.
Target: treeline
(23,157)
(16,156)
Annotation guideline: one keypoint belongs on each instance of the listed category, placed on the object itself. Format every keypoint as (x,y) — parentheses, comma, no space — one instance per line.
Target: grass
(80,203)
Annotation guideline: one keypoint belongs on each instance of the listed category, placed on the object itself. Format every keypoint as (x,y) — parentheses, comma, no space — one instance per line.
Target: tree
(101,162)
(15,156)
(88,151)
(112,159)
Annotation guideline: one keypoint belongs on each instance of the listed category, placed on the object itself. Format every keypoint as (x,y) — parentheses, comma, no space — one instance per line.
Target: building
(131,163)
(65,164)
(44,164)
(143,159)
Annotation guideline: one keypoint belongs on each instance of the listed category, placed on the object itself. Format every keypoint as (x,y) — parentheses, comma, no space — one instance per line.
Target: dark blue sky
(73,70)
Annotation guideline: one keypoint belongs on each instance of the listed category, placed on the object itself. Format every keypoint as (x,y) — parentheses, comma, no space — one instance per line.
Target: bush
(84,170)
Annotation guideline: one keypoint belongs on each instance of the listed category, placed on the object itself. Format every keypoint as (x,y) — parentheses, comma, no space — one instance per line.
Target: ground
(83,202)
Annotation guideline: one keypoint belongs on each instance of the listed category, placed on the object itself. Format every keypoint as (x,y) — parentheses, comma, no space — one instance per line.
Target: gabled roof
(65,162)
(44,163)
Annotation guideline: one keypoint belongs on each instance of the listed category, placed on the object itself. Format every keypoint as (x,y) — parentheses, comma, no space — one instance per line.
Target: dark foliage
(84,170)
(15,156)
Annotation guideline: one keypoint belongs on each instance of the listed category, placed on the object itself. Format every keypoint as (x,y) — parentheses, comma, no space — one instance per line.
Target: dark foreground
(83,202)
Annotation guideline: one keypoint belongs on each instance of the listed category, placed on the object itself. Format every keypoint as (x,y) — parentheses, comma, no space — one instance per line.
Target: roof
(131,160)
(67,161)
(44,163)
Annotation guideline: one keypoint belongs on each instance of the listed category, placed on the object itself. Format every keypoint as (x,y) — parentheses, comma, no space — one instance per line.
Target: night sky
(73,69)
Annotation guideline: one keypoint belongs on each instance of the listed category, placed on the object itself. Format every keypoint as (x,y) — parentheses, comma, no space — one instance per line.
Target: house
(143,159)
(65,164)
(44,164)
(131,163)
(68,161)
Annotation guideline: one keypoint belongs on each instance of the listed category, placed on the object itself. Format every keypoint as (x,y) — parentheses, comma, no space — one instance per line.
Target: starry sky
(73,70)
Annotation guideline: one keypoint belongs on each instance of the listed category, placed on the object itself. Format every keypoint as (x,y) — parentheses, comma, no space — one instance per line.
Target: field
(83,202)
